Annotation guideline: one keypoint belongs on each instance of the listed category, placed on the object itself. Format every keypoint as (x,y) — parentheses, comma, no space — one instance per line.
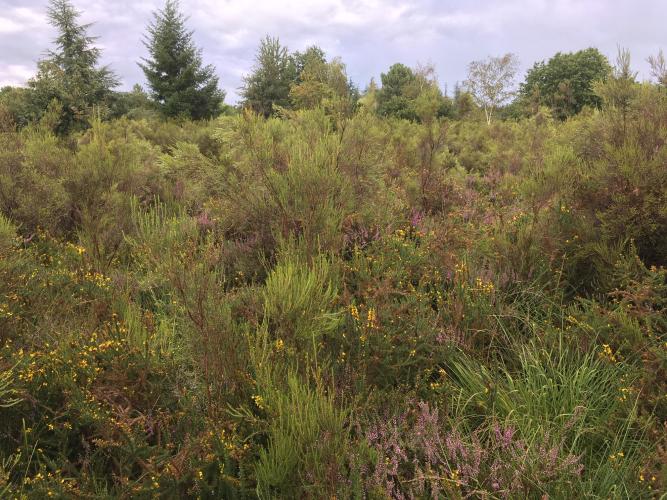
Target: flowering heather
(417,454)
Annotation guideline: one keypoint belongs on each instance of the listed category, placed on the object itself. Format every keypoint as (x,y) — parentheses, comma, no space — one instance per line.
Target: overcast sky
(369,35)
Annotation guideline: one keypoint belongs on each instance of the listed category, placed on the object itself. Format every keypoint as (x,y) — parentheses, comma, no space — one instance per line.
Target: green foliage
(70,74)
(568,400)
(565,82)
(307,442)
(323,84)
(134,104)
(18,107)
(391,101)
(7,236)
(32,180)
(299,303)
(411,95)
(268,86)
(180,85)
(330,302)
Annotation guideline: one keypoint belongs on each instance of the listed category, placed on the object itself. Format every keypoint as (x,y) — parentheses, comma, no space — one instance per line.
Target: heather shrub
(419,453)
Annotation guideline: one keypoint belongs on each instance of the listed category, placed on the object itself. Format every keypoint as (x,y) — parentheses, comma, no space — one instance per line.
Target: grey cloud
(369,35)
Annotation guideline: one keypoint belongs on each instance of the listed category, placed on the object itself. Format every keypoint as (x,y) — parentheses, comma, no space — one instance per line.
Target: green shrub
(307,443)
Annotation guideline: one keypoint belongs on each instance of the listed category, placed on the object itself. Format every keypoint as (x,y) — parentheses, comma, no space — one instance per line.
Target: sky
(369,35)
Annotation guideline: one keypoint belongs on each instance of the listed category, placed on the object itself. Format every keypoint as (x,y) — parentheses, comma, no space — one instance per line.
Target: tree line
(70,85)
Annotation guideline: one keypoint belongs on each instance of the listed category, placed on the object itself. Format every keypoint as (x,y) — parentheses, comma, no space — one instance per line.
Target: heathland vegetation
(331,293)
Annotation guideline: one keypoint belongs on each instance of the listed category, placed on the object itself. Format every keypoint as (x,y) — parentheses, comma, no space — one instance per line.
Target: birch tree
(491,82)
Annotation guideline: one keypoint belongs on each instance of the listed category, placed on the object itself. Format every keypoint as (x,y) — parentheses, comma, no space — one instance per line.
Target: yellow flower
(354,312)
(608,353)
(259,401)
(371,318)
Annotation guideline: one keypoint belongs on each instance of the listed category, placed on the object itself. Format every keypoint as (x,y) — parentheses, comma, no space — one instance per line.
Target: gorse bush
(329,302)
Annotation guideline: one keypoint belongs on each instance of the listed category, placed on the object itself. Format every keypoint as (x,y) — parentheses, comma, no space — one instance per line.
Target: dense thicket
(328,304)
(327,295)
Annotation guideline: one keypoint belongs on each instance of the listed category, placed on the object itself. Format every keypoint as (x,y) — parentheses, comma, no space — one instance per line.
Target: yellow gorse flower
(371,318)
(354,312)
(259,401)
(608,353)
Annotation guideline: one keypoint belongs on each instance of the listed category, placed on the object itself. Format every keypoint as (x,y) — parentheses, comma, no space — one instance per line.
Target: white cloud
(369,35)
(15,74)
(10,26)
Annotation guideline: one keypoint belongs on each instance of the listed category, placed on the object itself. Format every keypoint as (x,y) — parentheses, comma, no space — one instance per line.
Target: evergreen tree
(272,77)
(411,94)
(180,85)
(619,89)
(392,100)
(70,74)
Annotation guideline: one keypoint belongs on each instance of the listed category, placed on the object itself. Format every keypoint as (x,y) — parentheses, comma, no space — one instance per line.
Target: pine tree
(272,77)
(70,74)
(180,85)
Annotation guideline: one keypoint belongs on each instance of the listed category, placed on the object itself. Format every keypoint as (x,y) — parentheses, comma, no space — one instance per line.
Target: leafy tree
(70,74)
(565,82)
(313,56)
(18,103)
(490,82)
(180,85)
(136,103)
(322,83)
(269,83)
(426,99)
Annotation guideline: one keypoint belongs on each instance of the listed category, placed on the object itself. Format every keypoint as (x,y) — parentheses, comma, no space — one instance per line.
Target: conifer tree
(70,73)
(273,75)
(180,85)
